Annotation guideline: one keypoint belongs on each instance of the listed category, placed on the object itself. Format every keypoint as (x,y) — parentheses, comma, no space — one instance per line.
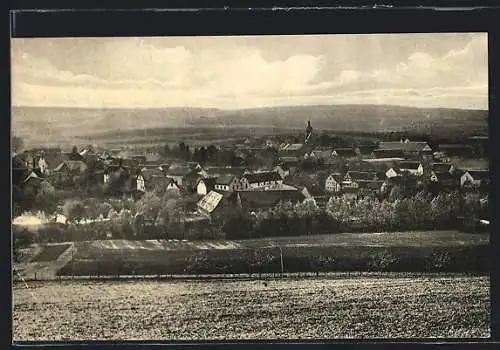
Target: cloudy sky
(423,70)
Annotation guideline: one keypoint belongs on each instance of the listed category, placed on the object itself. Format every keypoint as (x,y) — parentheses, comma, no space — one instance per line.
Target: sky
(232,72)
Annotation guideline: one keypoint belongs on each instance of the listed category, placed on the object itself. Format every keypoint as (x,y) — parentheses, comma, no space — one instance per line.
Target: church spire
(309,130)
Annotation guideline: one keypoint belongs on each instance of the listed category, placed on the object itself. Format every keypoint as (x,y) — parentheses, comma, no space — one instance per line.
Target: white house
(333,182)
(227,183)
(391,173)
(414,168)
(204,186)
(141,185)
(261,180)
(474,178)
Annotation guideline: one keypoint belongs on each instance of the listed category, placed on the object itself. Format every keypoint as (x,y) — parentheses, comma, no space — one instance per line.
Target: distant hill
(43,123)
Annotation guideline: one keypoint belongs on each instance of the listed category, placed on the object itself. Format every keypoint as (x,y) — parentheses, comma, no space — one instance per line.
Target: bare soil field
(383,307)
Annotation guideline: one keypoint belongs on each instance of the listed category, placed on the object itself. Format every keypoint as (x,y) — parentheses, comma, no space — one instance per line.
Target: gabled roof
(236,171)
(388,153)
(71,165)
(479,174)
(289,160)
(149,173)
(210,201)
(322,154)
(179,171)
(444,176)
(263,177)
(366,149)
(361,175)
(294,147)
(336,176)
(344,152)
(225,179)
(209,182)
(409,165)
(441,167)
(269,199)
(410,146)
(33,175)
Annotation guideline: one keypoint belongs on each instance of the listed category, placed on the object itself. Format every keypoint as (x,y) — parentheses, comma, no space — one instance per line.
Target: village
(252,175)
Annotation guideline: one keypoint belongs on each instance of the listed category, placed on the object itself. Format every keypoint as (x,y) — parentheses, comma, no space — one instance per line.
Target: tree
(149,205)
(74,211)
(17,144)
(46,199)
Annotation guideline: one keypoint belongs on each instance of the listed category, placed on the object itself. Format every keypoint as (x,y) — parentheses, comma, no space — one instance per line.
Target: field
(383,307)
(406,252)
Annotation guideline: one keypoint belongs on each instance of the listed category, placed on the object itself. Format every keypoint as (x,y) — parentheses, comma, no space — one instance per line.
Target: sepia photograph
(195,188)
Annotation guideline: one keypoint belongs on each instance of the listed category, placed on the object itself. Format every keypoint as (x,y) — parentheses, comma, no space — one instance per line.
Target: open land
(396,307)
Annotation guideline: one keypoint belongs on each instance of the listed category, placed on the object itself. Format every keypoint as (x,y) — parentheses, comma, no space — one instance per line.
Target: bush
(382,261)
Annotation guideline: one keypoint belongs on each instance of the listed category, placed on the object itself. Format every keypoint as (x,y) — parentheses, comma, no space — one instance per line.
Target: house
(409,148)
(321,156)
(388,153)
(261,180)
(366,149)
(344,153)
(179,174)
(283,170)
(392,172)
(442,168)
(219,171)
(333,183)
(455,150)
(227,183)
(289,160)
(205,185)
(356,179)
(414,168)
(216,204)
(475,178)
(445,179)
(253,200)
(71,166)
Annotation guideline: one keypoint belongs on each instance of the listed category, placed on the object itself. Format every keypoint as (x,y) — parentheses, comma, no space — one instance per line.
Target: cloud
(135,73)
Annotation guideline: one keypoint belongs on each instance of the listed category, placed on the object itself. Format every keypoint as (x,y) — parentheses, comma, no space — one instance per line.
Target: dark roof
(149,173)
(236,171)
(345,152)
(209,182)
(71,165)
(388,153)
(179,171)
(445,176)
(411,146)
(370,184)
(453,146)
(479,174)
(441,167)
(408,165)
(263,177)
(268,199)
(366,149)
(362,175)
(288,159)
(336,176)
(225,179)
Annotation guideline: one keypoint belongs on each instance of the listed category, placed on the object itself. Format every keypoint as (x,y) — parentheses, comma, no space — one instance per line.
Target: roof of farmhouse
(411,146)
(263,177)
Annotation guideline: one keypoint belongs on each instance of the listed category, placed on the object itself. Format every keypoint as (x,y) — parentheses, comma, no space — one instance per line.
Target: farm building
(392,172)
(414,168)
(204,186)
(445,179)
(358,179)
(261,180)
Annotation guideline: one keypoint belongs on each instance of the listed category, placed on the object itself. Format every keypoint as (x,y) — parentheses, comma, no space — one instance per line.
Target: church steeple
(309,130)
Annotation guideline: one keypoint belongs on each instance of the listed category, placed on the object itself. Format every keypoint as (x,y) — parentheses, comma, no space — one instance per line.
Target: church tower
(308,134)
